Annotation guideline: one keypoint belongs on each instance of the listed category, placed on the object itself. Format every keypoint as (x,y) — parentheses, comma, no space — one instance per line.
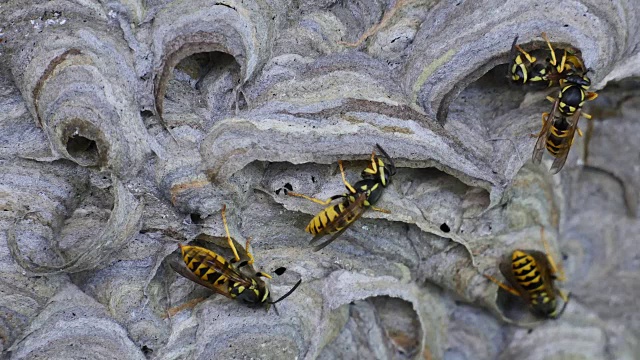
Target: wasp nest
(126,125)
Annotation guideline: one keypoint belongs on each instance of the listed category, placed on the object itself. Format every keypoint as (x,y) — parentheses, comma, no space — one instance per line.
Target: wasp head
(255,295)
(580,80)
(384,171)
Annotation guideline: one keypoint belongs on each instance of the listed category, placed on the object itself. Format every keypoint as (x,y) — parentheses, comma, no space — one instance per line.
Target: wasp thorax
(543,305)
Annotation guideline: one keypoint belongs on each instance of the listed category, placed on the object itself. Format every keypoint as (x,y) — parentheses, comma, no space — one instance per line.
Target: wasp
(531,274)
(561,123)
(233,279)
(542,67)
(335,219)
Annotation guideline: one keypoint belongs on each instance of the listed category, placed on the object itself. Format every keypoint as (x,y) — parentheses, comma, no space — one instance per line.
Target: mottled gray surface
(126,125)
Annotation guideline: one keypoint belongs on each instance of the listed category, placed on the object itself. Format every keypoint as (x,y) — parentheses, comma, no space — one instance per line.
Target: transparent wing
(538,150)
(558,163)
(180,267)
(342,222)
(229,271)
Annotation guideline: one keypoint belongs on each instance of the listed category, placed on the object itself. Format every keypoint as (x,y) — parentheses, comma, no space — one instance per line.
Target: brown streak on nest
(212,174)
(396,130)
(45,75)
(375,28)
(188,305)
(176,189)
(403,112)
(426,354)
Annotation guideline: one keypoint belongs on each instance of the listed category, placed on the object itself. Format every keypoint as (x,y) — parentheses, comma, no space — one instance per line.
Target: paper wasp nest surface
(125,126)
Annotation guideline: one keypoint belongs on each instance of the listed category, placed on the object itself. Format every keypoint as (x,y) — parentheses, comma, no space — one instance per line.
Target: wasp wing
(538,150)
(543,266)
(182,269)
(350,214)
(228,270)
(507,271)
(558,163)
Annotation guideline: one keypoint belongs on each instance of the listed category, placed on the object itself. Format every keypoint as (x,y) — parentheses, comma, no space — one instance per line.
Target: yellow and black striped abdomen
(532,277)
(558,140)
(198,259)
(324,217)
(527,274)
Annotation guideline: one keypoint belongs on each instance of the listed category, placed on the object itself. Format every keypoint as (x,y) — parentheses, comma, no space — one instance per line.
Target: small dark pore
(445,228)
(195,218)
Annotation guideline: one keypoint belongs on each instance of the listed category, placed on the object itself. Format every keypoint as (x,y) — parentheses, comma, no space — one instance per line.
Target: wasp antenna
(287,294)
(563,306)
(386,156)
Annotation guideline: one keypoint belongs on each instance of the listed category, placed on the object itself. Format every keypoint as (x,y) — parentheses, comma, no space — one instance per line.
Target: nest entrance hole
(487,99)
(83,149)
(198,66)
(204,86)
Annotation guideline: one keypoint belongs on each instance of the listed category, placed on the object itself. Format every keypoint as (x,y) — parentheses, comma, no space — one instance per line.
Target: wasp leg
(375,208)
(344,178)
(553,53)
(579,132)
(226,229)
(262,274)
(246,247)
(563,295)
(530,58)
(374,167)
(544,122)
(499,283)
(556,271)
(188,305)
(317,201)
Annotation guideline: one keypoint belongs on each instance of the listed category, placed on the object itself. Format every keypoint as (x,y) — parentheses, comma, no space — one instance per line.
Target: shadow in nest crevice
(203,87)
(378,326)
(84,150)
(483,101)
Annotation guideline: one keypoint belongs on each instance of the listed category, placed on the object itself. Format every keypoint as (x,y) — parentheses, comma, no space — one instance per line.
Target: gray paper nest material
(126,125)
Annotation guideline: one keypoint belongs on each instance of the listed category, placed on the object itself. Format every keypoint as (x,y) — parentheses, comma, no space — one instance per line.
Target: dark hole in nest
(82,148)
(205,80)
(199,65)
(279,271)
(195,218)
(285,188)
(445,228)
(146,350)
(146,113)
